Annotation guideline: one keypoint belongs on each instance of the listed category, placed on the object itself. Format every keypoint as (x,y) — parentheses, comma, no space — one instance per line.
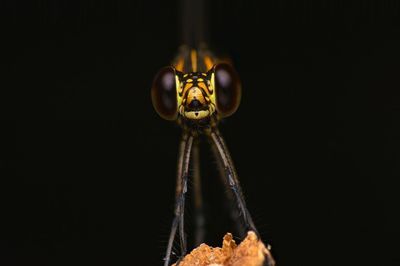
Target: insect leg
(233,183)
(198,199)
(240,230)
(181,189)
(232,178)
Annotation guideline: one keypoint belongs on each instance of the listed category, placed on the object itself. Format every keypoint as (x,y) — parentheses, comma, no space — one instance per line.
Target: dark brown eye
(163,94)
(228,89)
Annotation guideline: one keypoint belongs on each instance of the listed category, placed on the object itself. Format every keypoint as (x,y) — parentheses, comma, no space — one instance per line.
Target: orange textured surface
(250,252)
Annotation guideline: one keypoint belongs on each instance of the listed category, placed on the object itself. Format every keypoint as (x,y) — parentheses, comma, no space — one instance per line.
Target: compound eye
(163,94)
(228,89)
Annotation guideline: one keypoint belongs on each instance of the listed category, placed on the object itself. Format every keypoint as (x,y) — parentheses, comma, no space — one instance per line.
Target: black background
(88,168)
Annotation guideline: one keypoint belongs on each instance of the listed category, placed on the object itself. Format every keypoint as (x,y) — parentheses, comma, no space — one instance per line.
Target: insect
(198,90)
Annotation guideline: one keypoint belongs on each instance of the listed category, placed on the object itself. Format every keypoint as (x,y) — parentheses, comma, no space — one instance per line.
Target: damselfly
(197,91)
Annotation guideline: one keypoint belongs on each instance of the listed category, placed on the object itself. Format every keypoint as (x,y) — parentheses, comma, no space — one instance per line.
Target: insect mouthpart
(197,115)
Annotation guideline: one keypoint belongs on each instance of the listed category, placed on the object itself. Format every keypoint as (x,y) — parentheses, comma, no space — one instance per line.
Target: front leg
(232,179)
(181,189)
(198,199)
(233,182)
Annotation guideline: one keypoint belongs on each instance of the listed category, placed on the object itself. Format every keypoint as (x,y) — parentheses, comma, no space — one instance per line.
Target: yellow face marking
(178,90)
(203,86)
(193,57)
(211,89)
(187,86)
(196,115)
(195,94)
(179,86)
(200,89)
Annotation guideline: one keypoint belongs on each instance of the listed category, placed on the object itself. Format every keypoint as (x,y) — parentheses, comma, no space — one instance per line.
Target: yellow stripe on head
(193,58)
